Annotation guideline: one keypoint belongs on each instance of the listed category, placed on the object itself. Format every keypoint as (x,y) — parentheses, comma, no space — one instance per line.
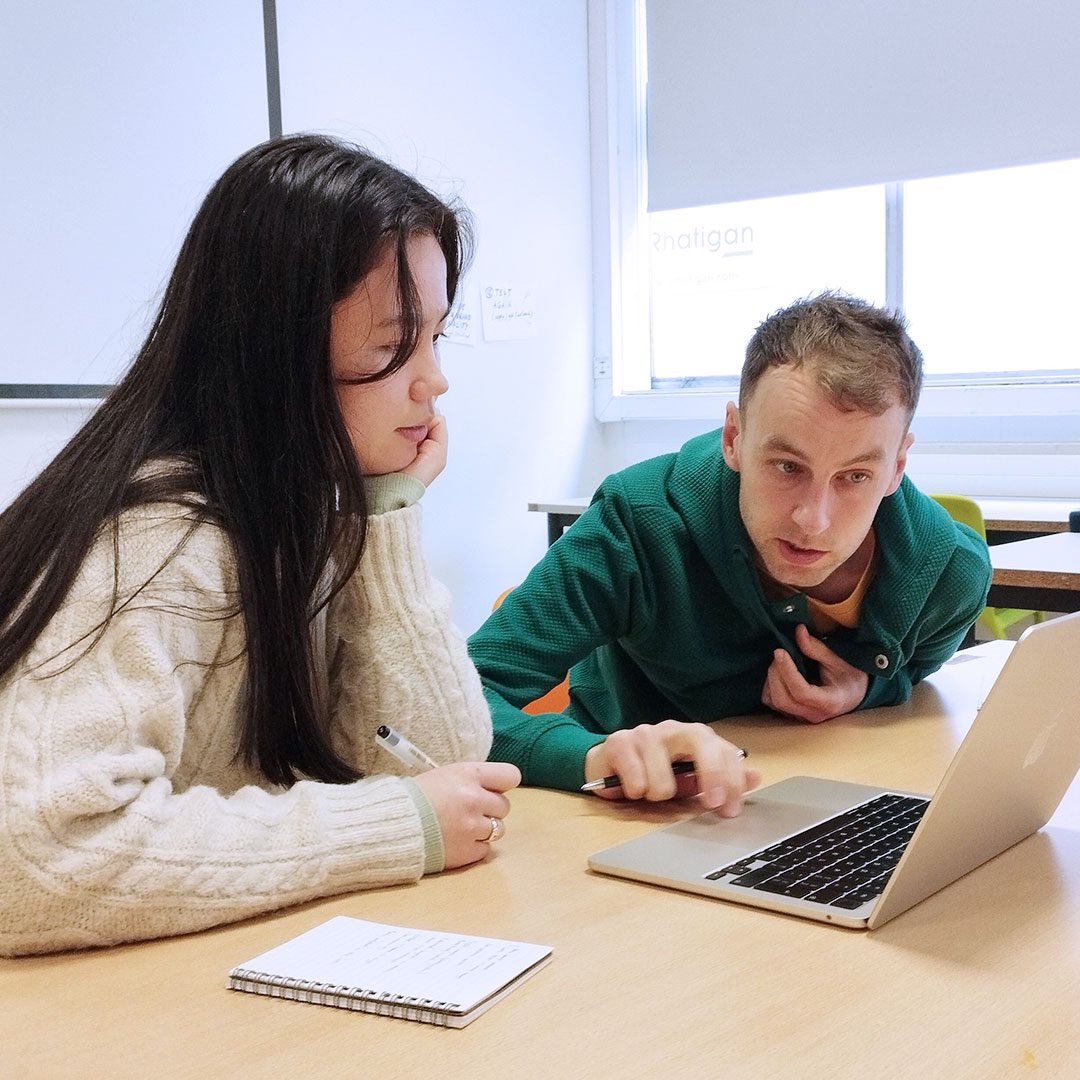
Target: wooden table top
(979,981)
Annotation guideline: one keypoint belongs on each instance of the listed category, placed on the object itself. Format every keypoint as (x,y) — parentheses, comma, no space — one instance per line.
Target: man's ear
(729,439)
(901,461)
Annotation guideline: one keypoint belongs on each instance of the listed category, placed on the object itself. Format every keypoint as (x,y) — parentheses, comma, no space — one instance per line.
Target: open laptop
(1008,776)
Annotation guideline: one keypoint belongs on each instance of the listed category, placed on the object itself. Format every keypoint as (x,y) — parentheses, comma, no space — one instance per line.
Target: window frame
(950,413)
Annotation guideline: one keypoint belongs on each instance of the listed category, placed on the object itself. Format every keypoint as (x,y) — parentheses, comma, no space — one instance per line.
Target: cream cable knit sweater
(123,812)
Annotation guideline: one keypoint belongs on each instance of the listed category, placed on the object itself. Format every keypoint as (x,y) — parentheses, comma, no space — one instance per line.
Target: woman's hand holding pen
(642,758)
(468,798)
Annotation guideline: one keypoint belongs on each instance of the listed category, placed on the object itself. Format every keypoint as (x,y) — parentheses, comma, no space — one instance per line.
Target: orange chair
(557,698)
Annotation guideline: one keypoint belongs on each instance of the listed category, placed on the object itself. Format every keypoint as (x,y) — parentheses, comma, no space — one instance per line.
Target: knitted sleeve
(124,813)
(392,491)
(396,658)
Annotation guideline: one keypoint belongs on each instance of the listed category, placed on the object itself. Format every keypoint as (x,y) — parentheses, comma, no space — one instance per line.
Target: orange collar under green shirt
(826,617)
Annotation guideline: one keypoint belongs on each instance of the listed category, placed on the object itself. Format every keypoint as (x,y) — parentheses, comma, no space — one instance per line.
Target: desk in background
(980,980)
(1042,573)
(1007,520)
(561,514)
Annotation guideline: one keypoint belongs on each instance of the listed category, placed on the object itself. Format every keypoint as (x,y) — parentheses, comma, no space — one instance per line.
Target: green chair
(996,619)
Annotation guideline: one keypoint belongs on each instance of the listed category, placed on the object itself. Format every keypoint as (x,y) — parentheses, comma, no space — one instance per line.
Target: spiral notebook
(426,975)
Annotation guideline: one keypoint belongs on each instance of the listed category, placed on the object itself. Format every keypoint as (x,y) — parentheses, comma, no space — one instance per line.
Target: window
(990,272)
(988,278)
(981,260)
(715,271)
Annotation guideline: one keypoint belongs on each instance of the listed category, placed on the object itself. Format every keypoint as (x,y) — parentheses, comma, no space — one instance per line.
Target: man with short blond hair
(783,561)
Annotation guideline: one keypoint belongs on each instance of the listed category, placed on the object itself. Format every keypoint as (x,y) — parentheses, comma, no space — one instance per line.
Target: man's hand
(841,689)
(641,757)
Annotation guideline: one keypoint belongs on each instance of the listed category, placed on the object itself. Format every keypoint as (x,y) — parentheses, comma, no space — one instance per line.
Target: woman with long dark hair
(215,594)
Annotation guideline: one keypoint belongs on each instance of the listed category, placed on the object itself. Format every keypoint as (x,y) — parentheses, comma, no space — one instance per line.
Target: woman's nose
(429,381)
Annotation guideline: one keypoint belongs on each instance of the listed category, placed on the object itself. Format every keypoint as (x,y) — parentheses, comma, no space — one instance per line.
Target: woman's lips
(415,434)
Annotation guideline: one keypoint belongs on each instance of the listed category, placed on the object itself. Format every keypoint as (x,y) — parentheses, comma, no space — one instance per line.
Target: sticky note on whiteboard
(508,312)
(461,327)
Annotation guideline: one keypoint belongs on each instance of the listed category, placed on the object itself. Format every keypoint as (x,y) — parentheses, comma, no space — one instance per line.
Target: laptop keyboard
(843,861)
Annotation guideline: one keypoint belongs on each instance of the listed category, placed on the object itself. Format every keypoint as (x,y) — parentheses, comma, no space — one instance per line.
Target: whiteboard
(115,119)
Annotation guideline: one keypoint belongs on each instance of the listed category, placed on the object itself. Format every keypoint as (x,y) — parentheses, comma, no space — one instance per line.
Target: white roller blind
(754,98)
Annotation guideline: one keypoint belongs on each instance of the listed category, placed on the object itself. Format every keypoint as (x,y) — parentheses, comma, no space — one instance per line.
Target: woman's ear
(729,439)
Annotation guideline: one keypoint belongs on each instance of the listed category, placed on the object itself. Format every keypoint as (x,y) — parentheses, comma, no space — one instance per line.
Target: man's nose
(813,513)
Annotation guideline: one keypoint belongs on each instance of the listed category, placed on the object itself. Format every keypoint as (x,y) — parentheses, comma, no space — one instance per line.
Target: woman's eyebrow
(393,322)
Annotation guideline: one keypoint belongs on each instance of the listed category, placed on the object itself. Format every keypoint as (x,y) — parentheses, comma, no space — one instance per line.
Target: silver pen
(677,767)
(405,751)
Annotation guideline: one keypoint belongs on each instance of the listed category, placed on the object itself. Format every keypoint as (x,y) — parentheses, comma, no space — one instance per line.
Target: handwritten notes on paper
(461,328)
(508,312)
(505,313)
(426,975)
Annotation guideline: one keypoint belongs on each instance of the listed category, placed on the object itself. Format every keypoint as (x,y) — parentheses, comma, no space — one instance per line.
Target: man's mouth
(794,553)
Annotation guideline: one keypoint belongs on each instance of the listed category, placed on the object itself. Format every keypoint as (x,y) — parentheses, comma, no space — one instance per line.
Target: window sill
(1045,413)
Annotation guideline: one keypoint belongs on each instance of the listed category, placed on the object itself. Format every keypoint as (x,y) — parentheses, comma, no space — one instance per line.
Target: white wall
(487,100)
(30,434)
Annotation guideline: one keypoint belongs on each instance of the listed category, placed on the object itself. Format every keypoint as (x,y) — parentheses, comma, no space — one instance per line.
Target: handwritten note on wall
(462,326)
(508,312)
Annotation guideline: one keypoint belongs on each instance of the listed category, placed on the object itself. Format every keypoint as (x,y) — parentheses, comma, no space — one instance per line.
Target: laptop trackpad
(708,841)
